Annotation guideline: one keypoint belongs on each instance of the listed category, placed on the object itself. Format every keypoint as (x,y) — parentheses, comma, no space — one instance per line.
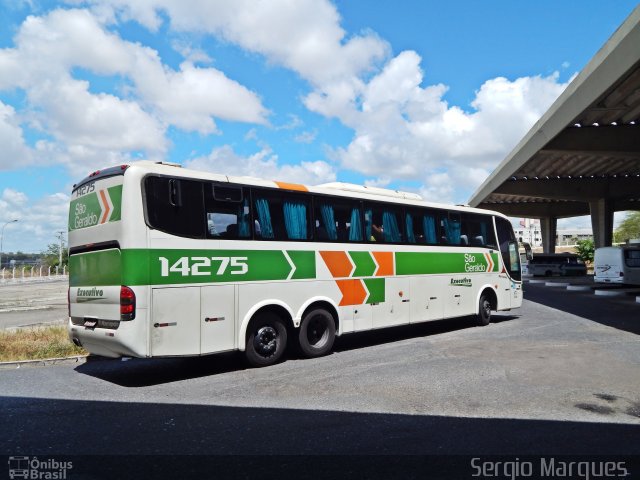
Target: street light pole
(2,238)
(60,237)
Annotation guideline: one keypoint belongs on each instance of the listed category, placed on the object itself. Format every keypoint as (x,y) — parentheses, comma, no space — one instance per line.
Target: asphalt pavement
(28,304)
(538,380)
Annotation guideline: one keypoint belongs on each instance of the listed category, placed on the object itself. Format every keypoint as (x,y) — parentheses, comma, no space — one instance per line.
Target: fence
(29,274)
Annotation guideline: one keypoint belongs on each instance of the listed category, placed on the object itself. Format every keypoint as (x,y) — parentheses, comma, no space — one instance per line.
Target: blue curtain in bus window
(243,220)
(429,227)
(329,221)
(368,216)
(295,220)
(411,238)
(391,231)
(355,230)
(452,231)
(264,218)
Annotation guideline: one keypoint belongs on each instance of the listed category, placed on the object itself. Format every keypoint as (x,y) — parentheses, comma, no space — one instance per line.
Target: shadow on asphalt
(617,312)
(137,372)
(34,426)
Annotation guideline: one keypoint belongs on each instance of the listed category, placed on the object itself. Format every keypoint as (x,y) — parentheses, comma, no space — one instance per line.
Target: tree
(628,229)
(585,250)
(51,256)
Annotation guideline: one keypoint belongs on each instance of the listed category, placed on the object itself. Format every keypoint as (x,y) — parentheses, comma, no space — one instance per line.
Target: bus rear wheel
(266,340)
(317,333)
(483,317)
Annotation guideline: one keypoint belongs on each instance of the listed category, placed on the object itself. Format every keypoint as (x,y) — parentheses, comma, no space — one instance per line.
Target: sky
(417,95)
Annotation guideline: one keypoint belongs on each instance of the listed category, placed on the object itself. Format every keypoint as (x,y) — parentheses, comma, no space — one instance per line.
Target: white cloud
(438,187)
(38,221)
(190,98)
(306,137)
(76,117)
(408,131)
(304,36)
(14,150)
(263,164)
(49,48)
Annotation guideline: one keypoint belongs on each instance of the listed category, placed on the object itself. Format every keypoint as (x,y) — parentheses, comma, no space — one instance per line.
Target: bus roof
(336,188)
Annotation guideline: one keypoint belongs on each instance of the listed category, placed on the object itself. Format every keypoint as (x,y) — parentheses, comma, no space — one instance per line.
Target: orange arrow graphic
(385,263)
(489,260)
(353,292)
(106,207)
(338,263)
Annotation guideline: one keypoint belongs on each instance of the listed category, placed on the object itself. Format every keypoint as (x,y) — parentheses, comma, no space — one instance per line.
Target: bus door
(509,293)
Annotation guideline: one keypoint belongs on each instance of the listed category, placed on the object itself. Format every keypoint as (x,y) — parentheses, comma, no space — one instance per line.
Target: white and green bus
(166,261)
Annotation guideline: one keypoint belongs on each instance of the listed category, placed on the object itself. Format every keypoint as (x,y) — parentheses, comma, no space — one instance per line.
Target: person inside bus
(376,233)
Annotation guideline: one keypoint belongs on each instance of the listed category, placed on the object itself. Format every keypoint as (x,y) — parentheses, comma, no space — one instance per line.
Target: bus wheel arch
(487,301)
(266,335)
(278,308)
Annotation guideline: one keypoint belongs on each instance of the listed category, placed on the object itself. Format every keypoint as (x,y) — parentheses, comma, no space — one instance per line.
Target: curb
(44,362)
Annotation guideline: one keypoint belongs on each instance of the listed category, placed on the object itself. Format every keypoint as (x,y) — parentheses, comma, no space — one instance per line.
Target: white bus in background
(617,264)
(166,261)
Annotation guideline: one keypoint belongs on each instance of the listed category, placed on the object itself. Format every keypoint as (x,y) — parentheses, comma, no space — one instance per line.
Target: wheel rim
(317,332)
(486,307)
(265,341)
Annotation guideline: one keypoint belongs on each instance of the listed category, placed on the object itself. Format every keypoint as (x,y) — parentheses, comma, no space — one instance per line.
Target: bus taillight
(127,304)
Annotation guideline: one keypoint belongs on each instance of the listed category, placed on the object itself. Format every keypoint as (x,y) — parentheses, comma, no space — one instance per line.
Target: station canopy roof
(585,148)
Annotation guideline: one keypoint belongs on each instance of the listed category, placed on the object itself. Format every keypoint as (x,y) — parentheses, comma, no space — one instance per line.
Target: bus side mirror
(527,250)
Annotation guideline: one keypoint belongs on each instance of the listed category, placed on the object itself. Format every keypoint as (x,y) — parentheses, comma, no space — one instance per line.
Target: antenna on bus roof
(170,164)
(350,187)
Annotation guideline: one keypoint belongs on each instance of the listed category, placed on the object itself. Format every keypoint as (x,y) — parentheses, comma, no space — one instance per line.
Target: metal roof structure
(584,153)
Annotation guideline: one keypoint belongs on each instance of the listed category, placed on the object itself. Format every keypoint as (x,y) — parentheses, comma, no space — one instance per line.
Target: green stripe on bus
(144,267)
(305,263)
(178,266)
(115,193)
(376,289)
(424,263)
(365,266)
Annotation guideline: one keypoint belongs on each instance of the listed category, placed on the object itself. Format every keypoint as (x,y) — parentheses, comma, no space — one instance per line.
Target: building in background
(528,230)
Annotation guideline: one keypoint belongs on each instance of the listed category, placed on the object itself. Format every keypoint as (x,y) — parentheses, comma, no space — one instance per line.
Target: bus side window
(175,206)
(337,220)
(281,215)
(452,228)
(479,230)
(383,223)
(421,226)
(228,214)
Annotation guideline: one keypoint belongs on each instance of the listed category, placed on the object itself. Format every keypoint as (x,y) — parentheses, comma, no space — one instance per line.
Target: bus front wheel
(317,333)
(483,316)
(266,340)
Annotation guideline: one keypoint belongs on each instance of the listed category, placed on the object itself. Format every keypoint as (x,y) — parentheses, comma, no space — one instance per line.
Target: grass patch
(36,344)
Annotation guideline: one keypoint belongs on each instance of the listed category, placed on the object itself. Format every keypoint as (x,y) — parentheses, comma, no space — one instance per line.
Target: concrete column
(602,222)
(549,228)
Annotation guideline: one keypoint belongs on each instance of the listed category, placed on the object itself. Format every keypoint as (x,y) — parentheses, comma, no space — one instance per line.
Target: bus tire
(483,317)
(317,333)
(266,340)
